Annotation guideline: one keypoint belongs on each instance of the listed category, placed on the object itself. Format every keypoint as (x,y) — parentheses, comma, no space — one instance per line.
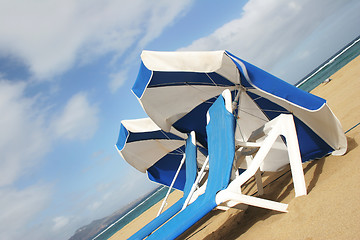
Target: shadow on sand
(277,187)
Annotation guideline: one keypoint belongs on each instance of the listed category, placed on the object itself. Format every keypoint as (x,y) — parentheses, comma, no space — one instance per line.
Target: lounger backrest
(221,147)
(221,144)
(191,170)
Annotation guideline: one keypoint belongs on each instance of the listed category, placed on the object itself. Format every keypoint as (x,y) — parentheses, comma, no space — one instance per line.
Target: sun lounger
(191,170)
(221,147)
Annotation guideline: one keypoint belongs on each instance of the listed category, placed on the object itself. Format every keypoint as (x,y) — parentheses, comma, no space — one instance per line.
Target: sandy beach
(331,210)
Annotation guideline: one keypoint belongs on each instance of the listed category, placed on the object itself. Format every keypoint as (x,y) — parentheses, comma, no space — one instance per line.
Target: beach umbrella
(149,149)
(177,88)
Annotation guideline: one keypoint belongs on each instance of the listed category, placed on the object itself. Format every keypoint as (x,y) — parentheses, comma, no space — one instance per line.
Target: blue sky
(66,70)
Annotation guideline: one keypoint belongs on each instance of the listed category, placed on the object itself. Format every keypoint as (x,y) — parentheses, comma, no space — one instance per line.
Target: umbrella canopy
(149,149)
(177,88)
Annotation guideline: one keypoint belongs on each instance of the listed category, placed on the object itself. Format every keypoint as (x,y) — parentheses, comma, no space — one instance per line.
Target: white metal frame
(283,125)
(171,185)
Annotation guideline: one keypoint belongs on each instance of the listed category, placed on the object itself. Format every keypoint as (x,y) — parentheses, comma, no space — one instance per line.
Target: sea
(309,82)
(143,205)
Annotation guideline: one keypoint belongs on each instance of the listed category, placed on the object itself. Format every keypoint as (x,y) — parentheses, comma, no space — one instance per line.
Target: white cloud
(23,139)
(94,206)
(117,80)
(28,132)
(18,207)
(50,36)
(60,222)
(78,120)
(269,31)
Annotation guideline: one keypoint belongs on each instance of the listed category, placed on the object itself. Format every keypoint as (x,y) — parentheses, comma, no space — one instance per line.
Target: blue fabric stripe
(163,171)
(161,79)
(123,135)
(142,80)
(310,144)
(144,136)
(278,87)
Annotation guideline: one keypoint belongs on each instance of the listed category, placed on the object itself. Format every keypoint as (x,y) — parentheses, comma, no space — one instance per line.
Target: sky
(66,72)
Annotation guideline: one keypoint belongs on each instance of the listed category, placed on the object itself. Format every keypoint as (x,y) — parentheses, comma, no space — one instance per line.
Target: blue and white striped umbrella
(149,149)
(177,88)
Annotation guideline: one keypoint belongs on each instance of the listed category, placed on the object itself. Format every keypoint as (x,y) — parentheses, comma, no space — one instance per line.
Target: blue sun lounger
(191,170)
(220,131)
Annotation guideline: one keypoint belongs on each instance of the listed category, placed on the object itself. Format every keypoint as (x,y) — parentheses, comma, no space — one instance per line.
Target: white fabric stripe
(157,104)
(202,62)
(143,154)
(140,125)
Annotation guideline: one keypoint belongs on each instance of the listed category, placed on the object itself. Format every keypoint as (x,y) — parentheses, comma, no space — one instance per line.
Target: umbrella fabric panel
(256,77)
(322,122)
(163,171)
(134,137)
(166,105)
(142,80)
(160,79)
(123,136)
(186,77)
(199,67)
(310,109)
(142,155)
(201,62)
(141,143)
(311,145)
(195,120)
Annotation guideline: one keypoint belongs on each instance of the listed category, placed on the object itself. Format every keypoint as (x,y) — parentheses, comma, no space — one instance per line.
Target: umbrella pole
(200,174)
(171,185)
(235,103)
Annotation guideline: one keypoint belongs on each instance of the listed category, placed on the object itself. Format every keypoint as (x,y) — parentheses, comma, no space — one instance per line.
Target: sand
(331,210)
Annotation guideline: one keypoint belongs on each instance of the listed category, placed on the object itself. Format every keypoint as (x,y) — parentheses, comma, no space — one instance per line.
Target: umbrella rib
(178,150)
(268,110)
(200,90)
(211,79)
(279,111)
(243,138)
(177,154)
(265,120)
(254,99)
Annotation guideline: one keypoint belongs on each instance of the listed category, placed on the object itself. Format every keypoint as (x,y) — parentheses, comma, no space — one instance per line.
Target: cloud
(50,37)
(267,32)
(18,207)
(29,131)
(23,138)
(117,80)
(78,120)
(60,222)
